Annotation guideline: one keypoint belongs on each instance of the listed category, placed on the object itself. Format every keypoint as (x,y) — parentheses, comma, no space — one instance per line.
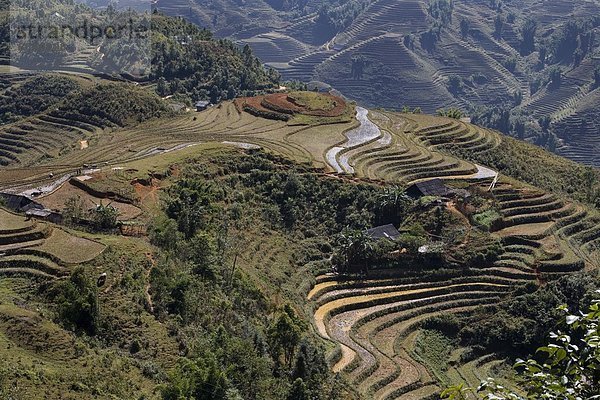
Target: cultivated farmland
(374,327)
(40,250)
(402,53)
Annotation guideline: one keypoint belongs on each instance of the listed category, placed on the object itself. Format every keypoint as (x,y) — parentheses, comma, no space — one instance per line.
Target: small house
(202,105)
(384,232)
(18,202)
(44,214)
(432,187)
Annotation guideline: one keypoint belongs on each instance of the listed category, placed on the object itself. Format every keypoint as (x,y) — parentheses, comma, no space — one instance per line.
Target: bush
(77,302)
(567,368)
(104,217)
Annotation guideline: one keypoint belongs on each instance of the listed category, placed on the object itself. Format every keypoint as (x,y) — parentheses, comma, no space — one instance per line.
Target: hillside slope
(271,201)
(482,57)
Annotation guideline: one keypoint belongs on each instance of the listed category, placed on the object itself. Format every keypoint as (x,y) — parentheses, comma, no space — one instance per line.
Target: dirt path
(452,208)
(147,287)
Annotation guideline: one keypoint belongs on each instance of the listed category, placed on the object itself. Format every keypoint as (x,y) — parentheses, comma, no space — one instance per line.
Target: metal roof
(432,187)
(39,213)
(385,231)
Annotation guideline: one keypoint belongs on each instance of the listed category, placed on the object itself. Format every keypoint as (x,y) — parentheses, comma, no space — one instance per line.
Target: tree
(161,87)
(74,211)
(409,41)
(528,31)
(570,369)
(298,391)
(201,252)
(519,128)
(510,63)
(200,379)
(104,217)
(545,122)
(393,203)
(189,204)
(455,84)
(498,26)
(284,335)
(555,77)
(454,113)
(310,363)
(77,302)
(356,247)
(518,97)
(358,67)
(164,234)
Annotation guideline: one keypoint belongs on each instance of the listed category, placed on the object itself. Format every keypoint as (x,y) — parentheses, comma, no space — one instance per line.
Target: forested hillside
(188,60)
(178,57)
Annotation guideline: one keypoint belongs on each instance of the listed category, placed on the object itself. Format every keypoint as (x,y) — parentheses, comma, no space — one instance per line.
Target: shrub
(104,217)
(455,84)
(77,302)
(486,218)
(567,368)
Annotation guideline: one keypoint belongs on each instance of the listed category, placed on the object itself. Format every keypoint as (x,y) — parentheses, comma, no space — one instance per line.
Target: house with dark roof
(31,208)
(18,202)
(45,214)
(384,232)
(202,105)
(433,187)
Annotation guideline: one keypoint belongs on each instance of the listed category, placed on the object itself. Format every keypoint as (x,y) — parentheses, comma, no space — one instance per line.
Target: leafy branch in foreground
(570,369)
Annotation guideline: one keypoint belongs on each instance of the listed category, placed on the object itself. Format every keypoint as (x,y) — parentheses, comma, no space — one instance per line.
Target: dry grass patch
(526,229)
(71,249)
(10,221)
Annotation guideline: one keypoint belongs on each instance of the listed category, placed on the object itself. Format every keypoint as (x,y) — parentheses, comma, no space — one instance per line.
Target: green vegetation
(234,348)
(213,304)
(187,60)
(433,348)
(569,369)
(77,302)
(486,218)
(519,325)
(112,104)
(337,15)
(34,96)
(454,113)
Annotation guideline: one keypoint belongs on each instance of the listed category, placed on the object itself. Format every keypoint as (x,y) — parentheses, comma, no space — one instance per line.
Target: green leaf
(560,355)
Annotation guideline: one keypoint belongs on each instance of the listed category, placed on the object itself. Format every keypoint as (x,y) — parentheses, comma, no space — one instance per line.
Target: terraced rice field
(38,250)
(375,322)
(542,234)
(395,149)
(378,146)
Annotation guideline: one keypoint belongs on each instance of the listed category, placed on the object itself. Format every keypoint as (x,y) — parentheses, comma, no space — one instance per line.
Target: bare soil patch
(57,200)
